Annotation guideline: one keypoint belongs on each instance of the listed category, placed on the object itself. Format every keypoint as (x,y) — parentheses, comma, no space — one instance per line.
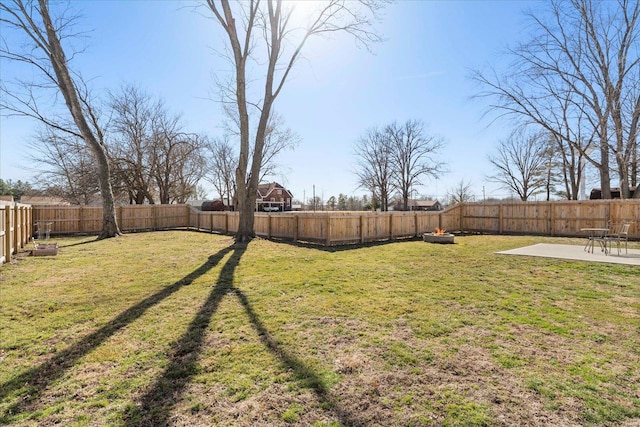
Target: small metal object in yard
(43,229)
(43,249)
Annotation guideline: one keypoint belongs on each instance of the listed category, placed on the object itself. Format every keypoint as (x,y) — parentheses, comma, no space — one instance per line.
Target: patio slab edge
(575,252)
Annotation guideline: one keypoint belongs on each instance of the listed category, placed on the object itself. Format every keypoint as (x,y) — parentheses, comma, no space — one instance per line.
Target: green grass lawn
(184,328)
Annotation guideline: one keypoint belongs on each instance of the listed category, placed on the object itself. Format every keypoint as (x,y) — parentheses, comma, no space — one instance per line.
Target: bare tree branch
(46,53)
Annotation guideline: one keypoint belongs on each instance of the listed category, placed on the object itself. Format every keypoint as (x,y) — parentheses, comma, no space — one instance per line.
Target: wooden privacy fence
(15,228)
(88,219)
(557,218)
(327,228)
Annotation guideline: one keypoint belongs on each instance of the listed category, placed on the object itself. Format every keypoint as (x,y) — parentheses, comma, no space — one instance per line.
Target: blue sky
(339,91)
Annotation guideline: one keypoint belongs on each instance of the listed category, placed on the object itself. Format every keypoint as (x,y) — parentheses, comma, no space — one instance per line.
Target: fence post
(552,222)
(23,226)
(18,233)
(461,216)
(154,217)
(415,223)
(268,226)
(28,223)
(361,228)
(296,224)
(7,233)
(500,218)
(81,219)
(16,227)
(226,222)
(328,230)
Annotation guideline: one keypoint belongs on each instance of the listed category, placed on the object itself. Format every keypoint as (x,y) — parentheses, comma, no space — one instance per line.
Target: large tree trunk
(68,90)
(109,222)
(246,211)
(605,177)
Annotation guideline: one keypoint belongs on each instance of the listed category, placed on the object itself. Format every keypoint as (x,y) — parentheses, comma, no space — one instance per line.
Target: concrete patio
(575,252)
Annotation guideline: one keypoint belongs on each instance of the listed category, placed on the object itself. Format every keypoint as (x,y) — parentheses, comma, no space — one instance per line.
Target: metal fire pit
(438,238)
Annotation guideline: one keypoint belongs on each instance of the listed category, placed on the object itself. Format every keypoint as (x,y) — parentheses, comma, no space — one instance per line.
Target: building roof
(44,200)
(424,203)
(266,188)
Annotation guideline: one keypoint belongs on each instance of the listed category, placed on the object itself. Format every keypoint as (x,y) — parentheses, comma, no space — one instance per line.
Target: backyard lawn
(184,328)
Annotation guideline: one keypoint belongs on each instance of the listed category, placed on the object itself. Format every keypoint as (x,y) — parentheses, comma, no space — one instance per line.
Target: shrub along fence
(15,228)
(557,218)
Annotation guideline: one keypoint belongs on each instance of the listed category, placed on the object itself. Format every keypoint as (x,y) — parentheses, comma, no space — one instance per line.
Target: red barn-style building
(273,197)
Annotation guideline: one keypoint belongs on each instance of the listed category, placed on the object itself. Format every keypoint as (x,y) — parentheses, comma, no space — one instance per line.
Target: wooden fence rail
(557,218)
(15,228)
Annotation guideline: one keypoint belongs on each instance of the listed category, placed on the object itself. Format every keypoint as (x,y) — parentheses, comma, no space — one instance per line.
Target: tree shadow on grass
(32,383)
(346,246)
(82,243)
(301,371)
(155,406)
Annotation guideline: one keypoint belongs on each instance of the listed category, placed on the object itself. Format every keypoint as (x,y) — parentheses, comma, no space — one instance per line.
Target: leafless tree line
(578,79)
(128,148)
(395,159)
(527,163)
(151,157)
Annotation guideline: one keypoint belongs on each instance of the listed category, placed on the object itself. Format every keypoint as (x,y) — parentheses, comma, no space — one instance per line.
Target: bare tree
(221,163)
(65,166)
(130,147)
(374,168)
(520,163)
(191,163)
(584,58)
(46,53)
(268,24)
(177,159)
(414,155)
(153,157)
(555,168)
(461,193)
